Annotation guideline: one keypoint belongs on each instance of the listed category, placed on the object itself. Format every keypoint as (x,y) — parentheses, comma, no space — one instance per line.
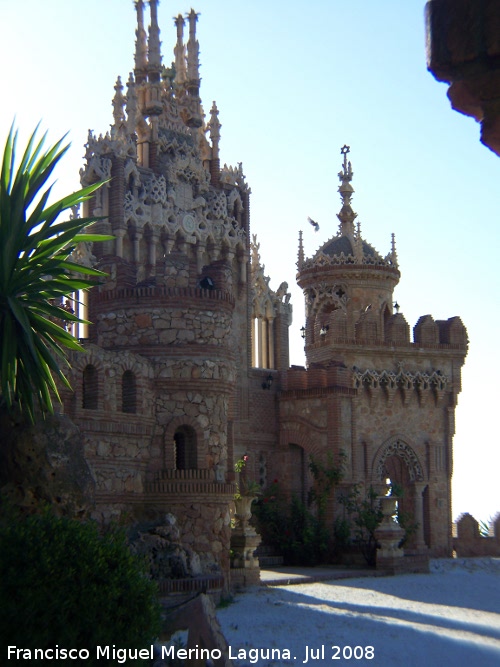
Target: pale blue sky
(294,81)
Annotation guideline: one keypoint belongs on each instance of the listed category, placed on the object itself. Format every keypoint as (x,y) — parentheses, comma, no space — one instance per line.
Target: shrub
(310,538)
(290,526)
(270,514)
(62,583)
(364,516)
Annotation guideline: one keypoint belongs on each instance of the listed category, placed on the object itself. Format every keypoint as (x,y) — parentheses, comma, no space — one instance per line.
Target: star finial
(346,215)
(345,176)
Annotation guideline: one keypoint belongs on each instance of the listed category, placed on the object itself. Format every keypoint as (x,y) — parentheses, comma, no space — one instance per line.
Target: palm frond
(36,272)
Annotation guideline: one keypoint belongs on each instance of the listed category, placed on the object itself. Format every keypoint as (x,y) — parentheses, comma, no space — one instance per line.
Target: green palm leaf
(35,269)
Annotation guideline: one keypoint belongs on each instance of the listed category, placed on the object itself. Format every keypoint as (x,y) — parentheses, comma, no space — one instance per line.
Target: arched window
(263,342)
(90,388)
(129,393)
(185,448)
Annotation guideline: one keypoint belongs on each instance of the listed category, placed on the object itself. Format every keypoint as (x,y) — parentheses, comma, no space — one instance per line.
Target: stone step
(270,561)
(266,550)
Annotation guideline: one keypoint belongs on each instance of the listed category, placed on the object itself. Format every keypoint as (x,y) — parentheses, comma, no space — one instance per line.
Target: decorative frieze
(322,259)
(431,383)
(434,380)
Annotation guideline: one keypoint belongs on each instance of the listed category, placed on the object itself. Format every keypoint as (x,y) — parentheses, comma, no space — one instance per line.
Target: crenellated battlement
(371,332)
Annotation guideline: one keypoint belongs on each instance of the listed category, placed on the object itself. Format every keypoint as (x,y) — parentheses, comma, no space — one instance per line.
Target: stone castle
(187,362)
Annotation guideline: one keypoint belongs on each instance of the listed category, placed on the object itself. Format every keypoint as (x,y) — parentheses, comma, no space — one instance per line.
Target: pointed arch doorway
(397,461)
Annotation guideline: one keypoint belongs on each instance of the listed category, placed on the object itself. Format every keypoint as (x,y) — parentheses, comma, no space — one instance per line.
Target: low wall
(469,542)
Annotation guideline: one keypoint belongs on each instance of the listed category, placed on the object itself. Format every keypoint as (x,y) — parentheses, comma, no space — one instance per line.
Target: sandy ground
(448,617)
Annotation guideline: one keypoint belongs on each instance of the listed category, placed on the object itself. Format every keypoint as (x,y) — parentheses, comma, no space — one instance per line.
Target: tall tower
(386,404)
(155,393)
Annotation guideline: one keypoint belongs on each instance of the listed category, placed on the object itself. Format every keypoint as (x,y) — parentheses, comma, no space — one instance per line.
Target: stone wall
(117,444)
(45,464)
(162,317)
(132,455)
(470,543)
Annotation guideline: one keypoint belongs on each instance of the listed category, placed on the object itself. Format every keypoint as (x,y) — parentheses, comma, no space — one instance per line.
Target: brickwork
(165,316)
(370,394)
(186,366)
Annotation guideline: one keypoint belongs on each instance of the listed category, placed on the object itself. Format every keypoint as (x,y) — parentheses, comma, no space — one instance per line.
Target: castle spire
(154,44)
(188,78)
(131,105)
(152,94)
(300,261)
(346,215)
(141,47)
(214,127)
(193,51)
(394,254)
(180,62)
(118,105)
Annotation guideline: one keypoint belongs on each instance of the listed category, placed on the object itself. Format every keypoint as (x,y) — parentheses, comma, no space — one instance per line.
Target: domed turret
(348,285)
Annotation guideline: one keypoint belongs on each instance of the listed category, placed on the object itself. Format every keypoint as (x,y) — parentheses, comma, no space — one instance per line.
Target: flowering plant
(241,463)
(245,487)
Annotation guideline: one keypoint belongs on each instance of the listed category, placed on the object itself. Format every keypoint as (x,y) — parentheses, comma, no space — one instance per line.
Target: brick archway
(298,435)
(299,443)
